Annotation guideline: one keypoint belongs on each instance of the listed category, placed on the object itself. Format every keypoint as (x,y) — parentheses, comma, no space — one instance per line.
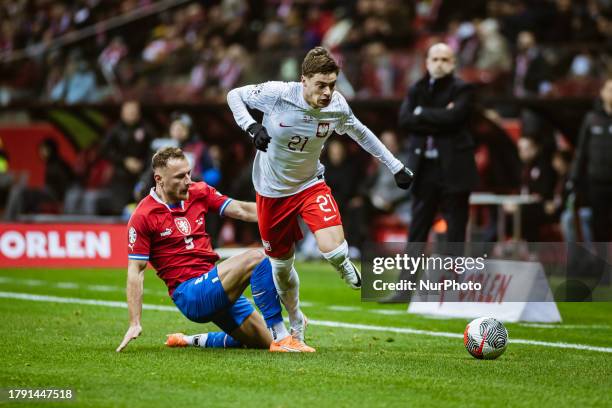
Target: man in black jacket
(435,113)
(592,169)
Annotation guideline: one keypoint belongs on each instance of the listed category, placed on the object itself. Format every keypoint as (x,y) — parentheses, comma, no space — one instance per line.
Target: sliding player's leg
(253,333)
(245,326)
(263,288)
(217,297)
(213,295)
(203,340)
(253,265)
(235,272)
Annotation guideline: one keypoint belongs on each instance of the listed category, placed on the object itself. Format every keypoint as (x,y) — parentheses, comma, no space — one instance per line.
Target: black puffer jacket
(594,154)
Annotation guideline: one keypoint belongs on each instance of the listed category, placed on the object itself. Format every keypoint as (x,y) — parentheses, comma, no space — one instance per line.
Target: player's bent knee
(330,238)
(253,258)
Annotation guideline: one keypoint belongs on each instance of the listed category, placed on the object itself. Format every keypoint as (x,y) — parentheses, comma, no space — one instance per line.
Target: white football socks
(279,331)
(197,340)
(287,284)
(340,260)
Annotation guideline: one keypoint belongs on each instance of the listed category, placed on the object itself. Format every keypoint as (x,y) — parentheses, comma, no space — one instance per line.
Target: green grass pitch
(46,344)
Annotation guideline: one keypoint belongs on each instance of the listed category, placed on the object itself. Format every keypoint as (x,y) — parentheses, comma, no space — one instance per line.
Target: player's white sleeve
(369,142)
(262,97)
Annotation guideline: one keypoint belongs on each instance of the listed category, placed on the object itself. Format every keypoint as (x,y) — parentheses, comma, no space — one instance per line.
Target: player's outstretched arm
(371,144)
(241,210)
(261,97)
(236,100)
(135,280)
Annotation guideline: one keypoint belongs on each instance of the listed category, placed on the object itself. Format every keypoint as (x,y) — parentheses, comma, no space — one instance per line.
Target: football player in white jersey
(288,177)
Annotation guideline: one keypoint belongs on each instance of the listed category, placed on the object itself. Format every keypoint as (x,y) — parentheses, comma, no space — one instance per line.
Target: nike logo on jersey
(329,218)
(281,125)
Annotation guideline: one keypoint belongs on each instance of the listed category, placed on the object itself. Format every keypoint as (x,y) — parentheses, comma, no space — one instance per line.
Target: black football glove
(261,140)
(403,178)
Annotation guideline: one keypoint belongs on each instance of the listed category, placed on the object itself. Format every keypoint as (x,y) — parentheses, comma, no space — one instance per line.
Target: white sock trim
(282,272)
(341,250)
(338,256)
(279,331)
(201,340)
(283,264)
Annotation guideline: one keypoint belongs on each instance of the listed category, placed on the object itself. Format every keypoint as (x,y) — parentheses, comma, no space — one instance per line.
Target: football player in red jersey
(167,229)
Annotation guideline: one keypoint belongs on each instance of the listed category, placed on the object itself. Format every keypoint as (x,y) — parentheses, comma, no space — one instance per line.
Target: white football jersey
(298,133)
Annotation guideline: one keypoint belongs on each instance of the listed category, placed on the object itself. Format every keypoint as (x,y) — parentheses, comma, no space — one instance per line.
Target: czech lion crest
(183,225)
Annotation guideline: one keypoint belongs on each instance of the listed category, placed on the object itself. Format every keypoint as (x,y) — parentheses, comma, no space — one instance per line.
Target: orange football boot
(176,340)
(290,345)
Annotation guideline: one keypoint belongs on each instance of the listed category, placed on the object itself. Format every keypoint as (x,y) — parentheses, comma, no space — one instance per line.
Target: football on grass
(485,338)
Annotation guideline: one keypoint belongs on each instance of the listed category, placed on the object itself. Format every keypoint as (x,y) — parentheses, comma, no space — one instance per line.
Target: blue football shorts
(203,299)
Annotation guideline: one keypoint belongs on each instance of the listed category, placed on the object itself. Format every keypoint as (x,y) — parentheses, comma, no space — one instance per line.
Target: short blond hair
(164,155)
(319,61)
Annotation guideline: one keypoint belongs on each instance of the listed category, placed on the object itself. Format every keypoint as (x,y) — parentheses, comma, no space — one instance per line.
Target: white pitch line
(388,312)
(339,308)
(325,323)
(562,345)
(74,285)
(66,285)
(104,288)
(108,288)
(336,308)
(402,330)
(33,282)
(93,288)
(81,301)
(565,326)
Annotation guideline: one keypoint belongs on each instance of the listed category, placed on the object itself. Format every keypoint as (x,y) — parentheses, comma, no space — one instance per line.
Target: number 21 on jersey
(296,144)
(326,204)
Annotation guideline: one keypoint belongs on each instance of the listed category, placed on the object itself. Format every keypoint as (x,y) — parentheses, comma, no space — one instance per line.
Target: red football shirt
(174,239)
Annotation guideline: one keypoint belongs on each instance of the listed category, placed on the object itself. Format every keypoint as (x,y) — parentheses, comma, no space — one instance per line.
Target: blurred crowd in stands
(111,177)
(92,50)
